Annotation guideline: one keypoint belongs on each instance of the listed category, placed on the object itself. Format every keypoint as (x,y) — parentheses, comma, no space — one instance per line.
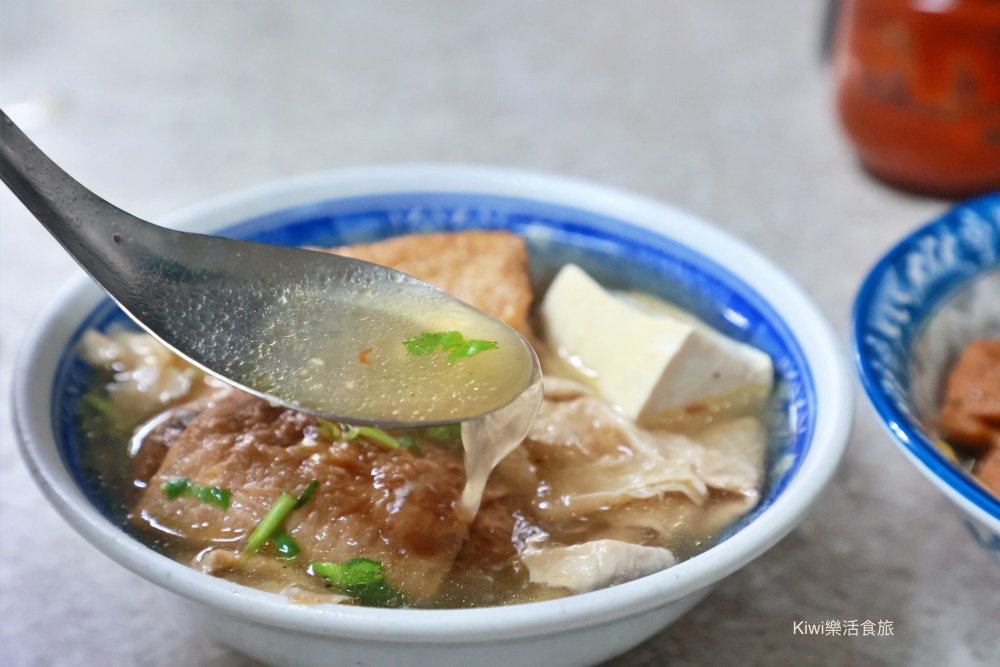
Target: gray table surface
(721,108)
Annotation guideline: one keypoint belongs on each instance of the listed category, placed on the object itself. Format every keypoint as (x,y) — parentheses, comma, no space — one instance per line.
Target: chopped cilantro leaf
(426,343)
(408,442)
(101,406)
(175,487)
(279,510)
(362,579)
(469,348)
(213,495)
(452,343)
(328,430)
(379,436)
(307,493)
(349,433)
(284,544)
(445,434)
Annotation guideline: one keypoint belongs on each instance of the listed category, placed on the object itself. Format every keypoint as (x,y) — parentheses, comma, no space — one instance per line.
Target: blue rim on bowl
(898,297)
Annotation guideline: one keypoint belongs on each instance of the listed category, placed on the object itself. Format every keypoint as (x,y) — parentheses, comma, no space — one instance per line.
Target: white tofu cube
(651,363)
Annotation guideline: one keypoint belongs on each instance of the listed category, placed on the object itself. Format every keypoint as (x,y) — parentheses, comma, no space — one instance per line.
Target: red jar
(918,91)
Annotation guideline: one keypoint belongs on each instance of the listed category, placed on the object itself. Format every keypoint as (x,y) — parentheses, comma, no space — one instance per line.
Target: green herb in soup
(269,524)
(307,493)
(212,495)
(452,343)
(647,444)
(284,544)
(373,434)
(362,579)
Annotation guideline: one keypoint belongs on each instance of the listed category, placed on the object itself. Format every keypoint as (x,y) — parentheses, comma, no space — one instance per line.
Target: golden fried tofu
(486,269)
(970,416)
(390,505)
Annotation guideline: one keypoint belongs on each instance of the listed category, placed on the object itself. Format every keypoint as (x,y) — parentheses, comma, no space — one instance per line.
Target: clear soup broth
(522,512)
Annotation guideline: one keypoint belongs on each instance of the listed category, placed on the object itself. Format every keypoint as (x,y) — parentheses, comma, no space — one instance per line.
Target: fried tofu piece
(387,505)
(970,416)
(486,269)
(151,441)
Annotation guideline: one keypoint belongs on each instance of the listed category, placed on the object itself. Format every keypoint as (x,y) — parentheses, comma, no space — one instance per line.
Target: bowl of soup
(694,403)
(926,344)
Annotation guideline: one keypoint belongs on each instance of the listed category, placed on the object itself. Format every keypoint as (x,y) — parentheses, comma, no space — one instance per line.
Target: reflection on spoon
(314,331)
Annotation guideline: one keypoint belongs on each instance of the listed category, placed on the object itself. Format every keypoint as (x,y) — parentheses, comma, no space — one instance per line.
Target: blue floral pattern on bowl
(926,298)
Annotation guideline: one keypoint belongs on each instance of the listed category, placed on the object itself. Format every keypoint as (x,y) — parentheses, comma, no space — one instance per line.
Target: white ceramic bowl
(918,308)
(618,236)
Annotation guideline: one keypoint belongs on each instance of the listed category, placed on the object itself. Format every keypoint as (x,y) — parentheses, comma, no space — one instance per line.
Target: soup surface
(605,487)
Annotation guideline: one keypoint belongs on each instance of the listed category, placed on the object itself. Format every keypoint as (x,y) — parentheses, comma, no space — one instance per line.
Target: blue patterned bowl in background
(920,305)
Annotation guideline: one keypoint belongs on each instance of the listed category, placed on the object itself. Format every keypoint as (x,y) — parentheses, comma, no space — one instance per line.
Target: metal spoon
(309,330)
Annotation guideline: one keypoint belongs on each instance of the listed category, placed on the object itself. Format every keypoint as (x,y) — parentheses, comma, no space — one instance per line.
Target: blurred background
(723,109)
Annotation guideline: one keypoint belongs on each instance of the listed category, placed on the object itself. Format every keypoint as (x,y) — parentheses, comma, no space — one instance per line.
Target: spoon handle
(88,227)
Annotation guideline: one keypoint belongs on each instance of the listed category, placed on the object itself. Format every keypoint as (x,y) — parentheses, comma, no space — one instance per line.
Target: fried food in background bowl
(922,304)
